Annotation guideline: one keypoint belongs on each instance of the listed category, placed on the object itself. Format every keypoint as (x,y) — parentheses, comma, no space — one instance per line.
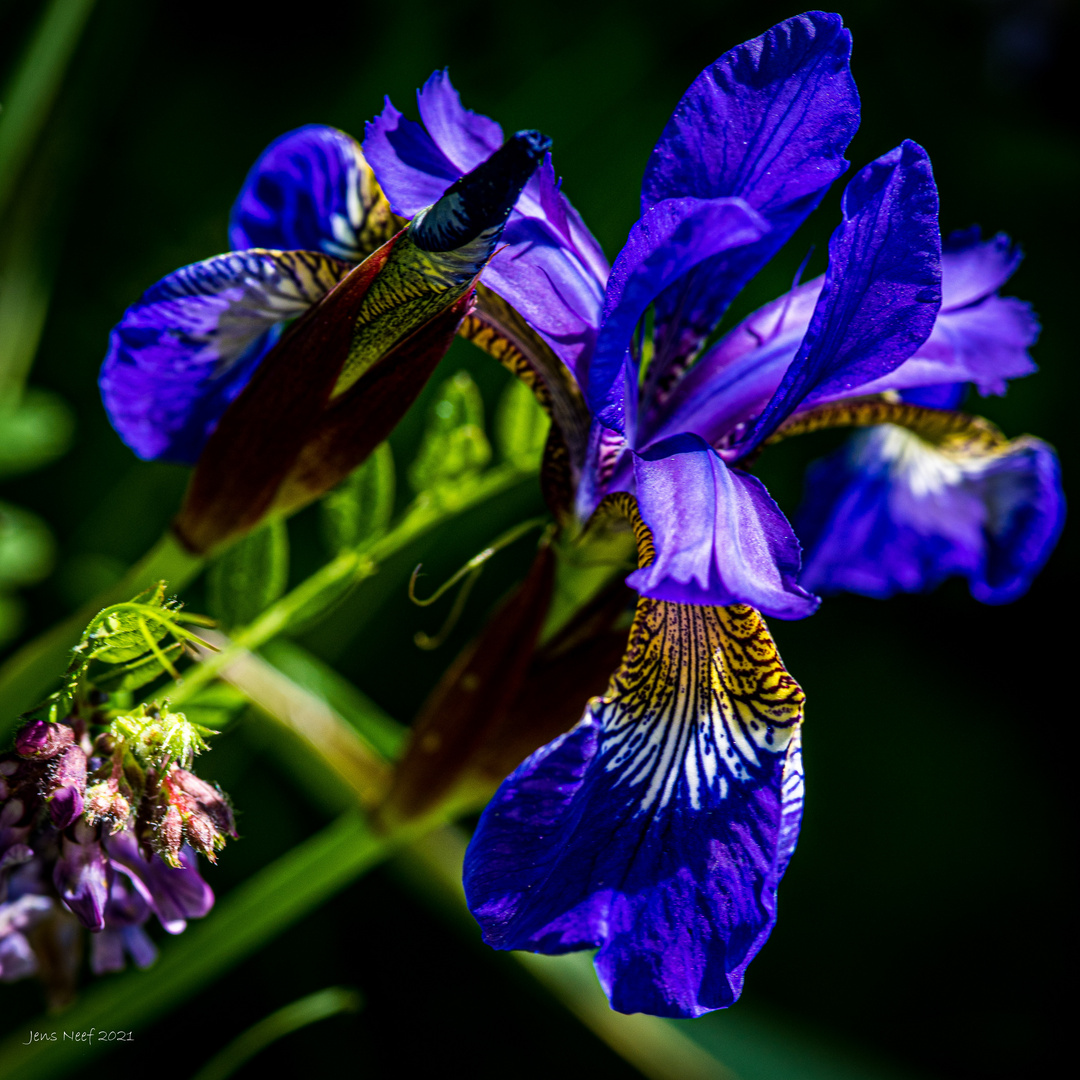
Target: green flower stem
(308,1010)
(29,674)
(348,568)
(242,923)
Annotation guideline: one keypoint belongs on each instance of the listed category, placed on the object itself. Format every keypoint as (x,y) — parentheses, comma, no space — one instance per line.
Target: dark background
(924,916)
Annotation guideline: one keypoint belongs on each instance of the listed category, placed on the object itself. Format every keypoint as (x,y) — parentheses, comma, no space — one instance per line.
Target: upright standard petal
(312,190)
(769,122)
(665,244)
(659,827)
(892,512)
(882,290)
(549,267)
(181,354)
(719,537)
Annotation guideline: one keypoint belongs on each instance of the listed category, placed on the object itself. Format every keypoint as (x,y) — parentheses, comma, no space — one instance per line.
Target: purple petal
(17,959)
(181,354)
(175,893)
(984,344)
(734,380)
(549,266)
(464,137)
(769,122)
(973,268)
(881,292)
(891,513)
(720,538)
(668,241)
(659,827)
(307,192)
(65,805)
(412,171)
(81,876)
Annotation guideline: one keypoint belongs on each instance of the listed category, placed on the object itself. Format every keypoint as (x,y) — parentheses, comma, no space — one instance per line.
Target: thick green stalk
(29,674)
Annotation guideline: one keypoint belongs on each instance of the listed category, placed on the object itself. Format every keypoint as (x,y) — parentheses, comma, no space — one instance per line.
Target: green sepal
(358,511)
(454,447)
(158,737)
(250,575)
(521,427)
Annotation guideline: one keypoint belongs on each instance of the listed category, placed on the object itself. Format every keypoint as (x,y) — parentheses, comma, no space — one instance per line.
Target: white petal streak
(700,706)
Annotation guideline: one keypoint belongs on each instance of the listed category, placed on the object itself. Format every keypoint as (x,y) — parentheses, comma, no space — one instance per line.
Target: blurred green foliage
(921,918)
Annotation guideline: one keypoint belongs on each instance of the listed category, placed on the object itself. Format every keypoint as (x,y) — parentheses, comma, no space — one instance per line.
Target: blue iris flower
(657,829)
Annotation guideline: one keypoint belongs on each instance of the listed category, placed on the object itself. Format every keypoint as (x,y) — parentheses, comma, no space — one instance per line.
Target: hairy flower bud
(194,811)
(68,787)
(41,739)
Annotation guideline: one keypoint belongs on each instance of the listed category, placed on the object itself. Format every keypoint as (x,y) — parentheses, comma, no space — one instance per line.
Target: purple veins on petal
(882,290)
(720,538)
(310,190)
(769,122)
(893,513)
(183,352)
(658,828)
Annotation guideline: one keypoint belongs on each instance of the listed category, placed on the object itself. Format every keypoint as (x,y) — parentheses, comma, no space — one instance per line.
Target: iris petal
(881,292)
(179,356)
(549,267)
(978,337)
(720,538)
(893,513)
(659,827)
(310,190)
(769,123)
(667,242)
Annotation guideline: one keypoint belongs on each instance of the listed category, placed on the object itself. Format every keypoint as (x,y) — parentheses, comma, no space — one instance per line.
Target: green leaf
(137,673)
(454,447)
(116,635)
(38,430)
(249,576)
(26,547)
(358,511)
(521,426)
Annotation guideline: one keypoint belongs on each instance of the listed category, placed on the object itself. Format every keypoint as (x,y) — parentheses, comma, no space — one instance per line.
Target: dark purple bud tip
(65,806)
(42,740)
(483,198)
